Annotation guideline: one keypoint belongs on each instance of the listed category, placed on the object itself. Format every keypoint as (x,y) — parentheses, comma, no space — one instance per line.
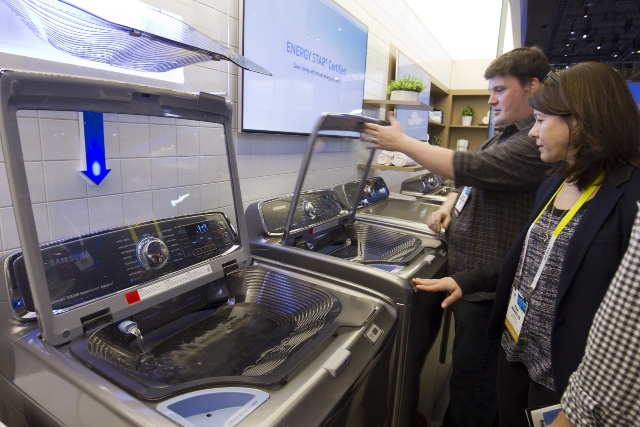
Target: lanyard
(556,232)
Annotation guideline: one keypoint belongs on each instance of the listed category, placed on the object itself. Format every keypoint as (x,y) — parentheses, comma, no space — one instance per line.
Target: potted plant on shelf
(467,115)
(435,140)
(406,88)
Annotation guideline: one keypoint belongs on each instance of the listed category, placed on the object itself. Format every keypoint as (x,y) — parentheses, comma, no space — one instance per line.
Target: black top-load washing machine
(170,319)
(377,205)
(315,230)
(427,187)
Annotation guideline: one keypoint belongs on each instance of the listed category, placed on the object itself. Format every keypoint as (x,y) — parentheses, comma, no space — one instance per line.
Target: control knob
(152,253)
(309,209)
(368,191)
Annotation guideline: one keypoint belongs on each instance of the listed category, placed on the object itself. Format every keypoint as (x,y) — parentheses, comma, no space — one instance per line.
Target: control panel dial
(309,209)
(368,191)
(152,253)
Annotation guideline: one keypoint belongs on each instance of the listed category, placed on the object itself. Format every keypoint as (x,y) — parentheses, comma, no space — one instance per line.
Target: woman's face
(552,134)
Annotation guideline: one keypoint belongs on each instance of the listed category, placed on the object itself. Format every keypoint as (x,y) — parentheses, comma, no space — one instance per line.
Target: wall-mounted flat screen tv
(317,54)
(414,121)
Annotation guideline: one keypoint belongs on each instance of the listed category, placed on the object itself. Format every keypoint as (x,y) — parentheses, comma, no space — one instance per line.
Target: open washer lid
(56,93)
(328,121)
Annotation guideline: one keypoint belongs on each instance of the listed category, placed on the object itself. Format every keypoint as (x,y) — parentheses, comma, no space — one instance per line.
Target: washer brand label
(243,413)
(70,258)
(279,208)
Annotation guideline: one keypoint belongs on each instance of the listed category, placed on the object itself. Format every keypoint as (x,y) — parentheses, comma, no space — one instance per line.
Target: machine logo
(279,208)
(70,258)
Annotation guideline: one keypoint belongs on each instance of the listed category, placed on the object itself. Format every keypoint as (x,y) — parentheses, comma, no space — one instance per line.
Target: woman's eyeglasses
(553,76)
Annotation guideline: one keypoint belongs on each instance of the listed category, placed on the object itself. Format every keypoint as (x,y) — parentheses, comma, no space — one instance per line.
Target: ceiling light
(584,36)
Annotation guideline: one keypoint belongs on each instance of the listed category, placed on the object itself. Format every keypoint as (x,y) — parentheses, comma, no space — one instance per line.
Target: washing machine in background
(378,206)
(428,186)
(313,229)
(159,322)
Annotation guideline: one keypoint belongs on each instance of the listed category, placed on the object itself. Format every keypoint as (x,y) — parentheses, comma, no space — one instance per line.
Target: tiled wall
(136,188)
(469,74)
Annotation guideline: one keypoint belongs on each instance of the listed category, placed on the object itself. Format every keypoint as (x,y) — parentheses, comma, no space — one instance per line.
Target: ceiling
(572,31)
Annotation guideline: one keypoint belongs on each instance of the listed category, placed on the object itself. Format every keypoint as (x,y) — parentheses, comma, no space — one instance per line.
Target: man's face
(509,99)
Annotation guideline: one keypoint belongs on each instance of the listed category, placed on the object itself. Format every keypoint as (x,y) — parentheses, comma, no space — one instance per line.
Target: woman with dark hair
(555,276)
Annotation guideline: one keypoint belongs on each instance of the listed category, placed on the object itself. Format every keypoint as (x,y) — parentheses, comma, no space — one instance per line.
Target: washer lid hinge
(99,318)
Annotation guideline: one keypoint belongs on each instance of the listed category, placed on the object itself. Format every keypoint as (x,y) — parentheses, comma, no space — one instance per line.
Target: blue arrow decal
(94,147)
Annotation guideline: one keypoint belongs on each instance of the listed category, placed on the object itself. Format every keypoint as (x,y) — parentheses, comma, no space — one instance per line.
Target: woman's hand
(384,137)
(439,219)
(446,284)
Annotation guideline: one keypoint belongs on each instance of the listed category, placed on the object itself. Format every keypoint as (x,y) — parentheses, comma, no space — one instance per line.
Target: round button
(309,209)
(368,191)
(152,253)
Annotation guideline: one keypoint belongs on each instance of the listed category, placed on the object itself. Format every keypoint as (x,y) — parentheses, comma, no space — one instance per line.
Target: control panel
(314,207)
(84,268)
(424,183)
(375,189)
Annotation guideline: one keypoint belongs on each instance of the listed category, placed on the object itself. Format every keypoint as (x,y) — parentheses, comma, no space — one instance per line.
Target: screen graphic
(317,54)
(413,121)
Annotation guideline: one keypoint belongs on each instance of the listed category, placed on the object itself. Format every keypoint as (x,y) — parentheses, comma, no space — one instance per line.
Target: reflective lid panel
(127,195)
(306,181)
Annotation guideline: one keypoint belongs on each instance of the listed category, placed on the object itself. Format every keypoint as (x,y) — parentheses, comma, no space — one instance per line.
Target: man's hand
(385,137)
(562,421)
(446,284)
(439,219)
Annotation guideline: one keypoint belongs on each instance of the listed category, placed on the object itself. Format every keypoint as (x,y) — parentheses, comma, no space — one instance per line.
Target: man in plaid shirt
(605,390)
(496,190)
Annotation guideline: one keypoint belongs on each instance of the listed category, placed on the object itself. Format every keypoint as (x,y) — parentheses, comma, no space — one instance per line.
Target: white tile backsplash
(209,196)
(111,140)
(29,130)
(137,207)
(191,203)
(211,169)
(188,140)
(10,238)
(63,180)
(60,139)
(105,212)
(5,196)
(164,172)
(68,218)
(64,115)
(163,140)
(189,170)
(35,179)
(134,140)
(136,174)
(210,139)
(162,206)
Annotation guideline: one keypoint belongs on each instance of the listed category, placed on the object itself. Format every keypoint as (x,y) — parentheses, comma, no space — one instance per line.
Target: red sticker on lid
(133,297)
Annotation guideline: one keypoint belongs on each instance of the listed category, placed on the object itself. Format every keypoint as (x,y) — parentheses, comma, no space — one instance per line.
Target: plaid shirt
(504,175)
(605,390)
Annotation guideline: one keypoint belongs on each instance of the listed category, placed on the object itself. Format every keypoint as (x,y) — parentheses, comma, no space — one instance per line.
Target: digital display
(196,230)
(317,54)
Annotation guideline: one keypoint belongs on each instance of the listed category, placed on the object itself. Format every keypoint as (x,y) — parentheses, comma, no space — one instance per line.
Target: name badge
(515,314)
(462,200)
